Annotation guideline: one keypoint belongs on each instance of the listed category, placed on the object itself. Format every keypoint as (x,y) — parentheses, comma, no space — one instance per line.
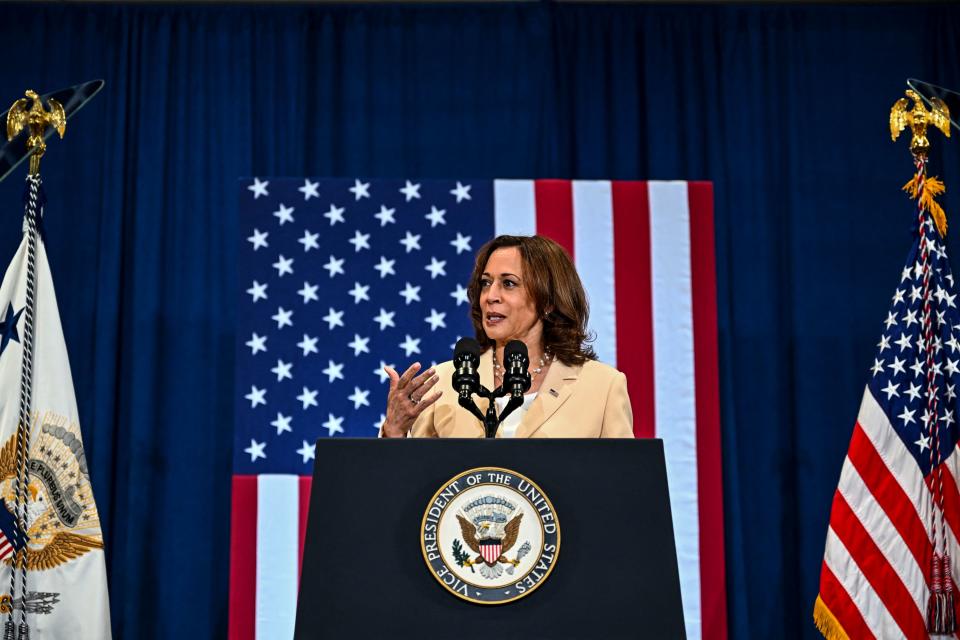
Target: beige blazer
(587,401)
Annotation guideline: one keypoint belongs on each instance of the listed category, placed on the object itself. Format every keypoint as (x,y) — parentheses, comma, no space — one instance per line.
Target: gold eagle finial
(917,119)
(37,120)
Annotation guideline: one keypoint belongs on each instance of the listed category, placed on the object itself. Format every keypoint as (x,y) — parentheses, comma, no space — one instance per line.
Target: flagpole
(931,219)
(35,120)
(940,606)
(33,197)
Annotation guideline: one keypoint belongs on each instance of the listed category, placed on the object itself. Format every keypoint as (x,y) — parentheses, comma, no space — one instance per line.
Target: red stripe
(875,568)
(891,497)
(243,559)
(634,306)
(554,202)
(841,606)
(306,482)
(713,594)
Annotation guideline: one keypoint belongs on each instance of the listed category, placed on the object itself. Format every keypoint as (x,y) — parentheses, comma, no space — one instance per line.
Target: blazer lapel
(554,391)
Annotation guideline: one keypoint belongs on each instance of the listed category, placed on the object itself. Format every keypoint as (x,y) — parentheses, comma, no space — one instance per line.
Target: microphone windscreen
(467,346)
(514,348)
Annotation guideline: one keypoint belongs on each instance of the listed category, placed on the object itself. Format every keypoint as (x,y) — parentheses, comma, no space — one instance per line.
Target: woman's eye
(484,283)
(509,284)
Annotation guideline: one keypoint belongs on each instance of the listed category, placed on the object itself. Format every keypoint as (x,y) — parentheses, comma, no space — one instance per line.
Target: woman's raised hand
(408,398)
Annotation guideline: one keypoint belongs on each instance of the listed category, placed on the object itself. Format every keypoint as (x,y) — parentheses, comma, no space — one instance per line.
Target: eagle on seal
(472,537)
(61,546)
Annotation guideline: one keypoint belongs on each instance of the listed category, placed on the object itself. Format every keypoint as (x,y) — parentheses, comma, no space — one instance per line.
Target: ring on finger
(412,399)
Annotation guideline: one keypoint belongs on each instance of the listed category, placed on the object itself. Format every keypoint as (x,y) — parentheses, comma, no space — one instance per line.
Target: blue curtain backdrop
(783,108)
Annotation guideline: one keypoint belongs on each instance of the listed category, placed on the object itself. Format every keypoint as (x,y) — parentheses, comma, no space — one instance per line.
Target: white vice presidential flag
(66,571)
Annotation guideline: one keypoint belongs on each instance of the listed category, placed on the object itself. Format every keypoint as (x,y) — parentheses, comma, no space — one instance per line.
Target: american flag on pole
(341,276)
(876,576)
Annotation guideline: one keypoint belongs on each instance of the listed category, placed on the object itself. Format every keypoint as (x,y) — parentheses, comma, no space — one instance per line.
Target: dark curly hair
(558,296)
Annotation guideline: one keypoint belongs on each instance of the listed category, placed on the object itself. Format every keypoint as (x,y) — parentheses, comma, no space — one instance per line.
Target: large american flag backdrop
(876,573)
(341,276)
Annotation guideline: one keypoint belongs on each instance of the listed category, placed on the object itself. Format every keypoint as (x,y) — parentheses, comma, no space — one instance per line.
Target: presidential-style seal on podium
(490,536)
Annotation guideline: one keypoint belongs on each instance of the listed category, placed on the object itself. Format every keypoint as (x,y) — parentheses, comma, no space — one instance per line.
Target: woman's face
(508,309)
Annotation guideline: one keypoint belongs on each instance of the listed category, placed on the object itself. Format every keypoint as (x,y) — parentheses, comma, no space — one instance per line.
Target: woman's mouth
(494,318)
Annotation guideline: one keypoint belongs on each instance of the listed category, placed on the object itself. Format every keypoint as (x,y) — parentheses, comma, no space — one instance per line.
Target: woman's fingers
(426,402)
(415,387)
(425,385)
(408,375)
(410,381)
(408,396)
(393,375)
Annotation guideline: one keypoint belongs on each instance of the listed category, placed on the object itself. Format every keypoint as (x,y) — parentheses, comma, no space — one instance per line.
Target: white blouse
(508,428)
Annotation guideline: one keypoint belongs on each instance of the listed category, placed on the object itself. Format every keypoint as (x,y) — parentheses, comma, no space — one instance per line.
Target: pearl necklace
(498,370)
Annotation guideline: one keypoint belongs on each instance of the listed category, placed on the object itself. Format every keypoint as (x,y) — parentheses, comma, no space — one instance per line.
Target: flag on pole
(896,511)
(341,276)
(66,585)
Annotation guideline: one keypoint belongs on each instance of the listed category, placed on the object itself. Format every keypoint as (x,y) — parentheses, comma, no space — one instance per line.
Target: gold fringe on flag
(826,623)
(932,187)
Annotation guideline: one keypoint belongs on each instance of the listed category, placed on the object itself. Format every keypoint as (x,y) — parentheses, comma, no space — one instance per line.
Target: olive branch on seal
(461,556)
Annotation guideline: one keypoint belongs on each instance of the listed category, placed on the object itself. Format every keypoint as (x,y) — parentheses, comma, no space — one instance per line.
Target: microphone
(517,378)
(466,361)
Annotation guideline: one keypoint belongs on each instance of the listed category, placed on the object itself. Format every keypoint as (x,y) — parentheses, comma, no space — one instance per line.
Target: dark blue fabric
(783,108)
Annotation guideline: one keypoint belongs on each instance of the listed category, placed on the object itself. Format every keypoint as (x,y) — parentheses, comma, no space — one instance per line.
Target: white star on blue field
(337,278)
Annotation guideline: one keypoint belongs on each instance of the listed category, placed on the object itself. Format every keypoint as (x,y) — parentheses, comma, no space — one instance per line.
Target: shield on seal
(490,550)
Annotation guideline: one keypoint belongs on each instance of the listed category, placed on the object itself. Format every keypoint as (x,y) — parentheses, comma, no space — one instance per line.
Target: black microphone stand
(467,382)
(491,422)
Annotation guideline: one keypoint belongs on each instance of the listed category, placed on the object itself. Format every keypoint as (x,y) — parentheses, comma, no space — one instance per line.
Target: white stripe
(848,574)
(881,530)
(900,462)
(674,389)
(278,507)
(514,208)
(593,253)
(901,465)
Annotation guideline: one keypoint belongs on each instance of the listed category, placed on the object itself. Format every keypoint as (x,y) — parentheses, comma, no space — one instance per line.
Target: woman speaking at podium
(522,288)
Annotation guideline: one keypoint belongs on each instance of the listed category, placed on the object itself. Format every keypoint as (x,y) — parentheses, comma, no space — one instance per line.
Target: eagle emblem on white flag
(66,594)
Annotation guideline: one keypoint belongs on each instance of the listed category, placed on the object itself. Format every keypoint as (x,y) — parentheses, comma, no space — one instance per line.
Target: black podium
(364,575)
